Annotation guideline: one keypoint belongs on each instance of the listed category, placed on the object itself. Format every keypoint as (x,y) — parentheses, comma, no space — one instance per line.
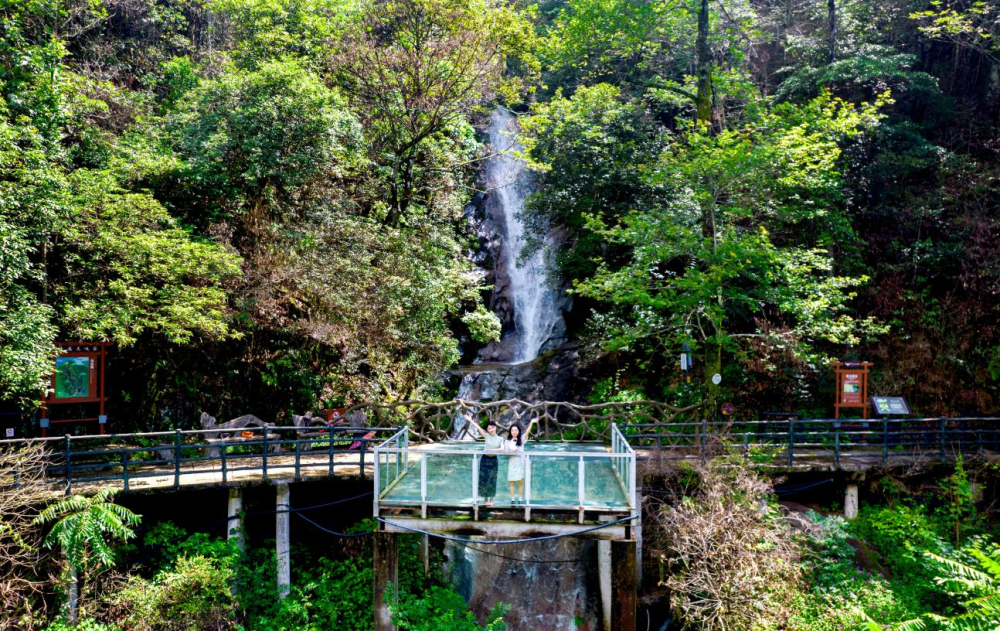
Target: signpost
(78,378)
(728,409)
(852,386)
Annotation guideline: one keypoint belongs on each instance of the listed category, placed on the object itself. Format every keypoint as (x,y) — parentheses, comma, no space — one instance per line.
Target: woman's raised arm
(527,432)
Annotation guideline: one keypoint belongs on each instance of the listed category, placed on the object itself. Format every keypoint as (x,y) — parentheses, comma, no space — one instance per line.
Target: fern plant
(83,528)
(982,583)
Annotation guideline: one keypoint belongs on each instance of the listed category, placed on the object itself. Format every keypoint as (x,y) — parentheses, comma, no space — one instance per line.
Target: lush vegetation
(260,202)
(734,559)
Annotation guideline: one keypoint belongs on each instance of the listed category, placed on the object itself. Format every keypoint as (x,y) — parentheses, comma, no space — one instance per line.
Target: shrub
(194,594)
(732,565)
(839,595)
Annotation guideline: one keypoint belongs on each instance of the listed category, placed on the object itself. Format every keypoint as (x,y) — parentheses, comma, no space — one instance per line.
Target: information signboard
(852,386)
(891,406)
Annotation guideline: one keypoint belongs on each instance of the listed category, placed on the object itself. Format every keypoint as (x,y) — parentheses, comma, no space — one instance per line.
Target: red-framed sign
(78,377)
(852,386)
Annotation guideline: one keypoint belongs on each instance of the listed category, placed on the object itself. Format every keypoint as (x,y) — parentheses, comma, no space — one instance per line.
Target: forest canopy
(261,202)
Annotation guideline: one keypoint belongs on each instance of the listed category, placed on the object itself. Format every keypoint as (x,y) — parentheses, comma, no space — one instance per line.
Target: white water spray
(536,313)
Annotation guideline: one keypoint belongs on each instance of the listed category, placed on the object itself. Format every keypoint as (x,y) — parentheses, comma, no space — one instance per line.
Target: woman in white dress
(488,462)
(514,444)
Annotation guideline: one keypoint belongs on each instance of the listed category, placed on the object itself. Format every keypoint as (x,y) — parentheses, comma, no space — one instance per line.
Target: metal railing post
(527,480)
(836,444)
(943,455)
(378,481)
(475,479)
(69,464)
(580,483)
(298,456)
(885,439)
(704,440)
(125,468)
(423,486)
(222,456)
(264,452)
(329,433)
(177,458)
(791,442)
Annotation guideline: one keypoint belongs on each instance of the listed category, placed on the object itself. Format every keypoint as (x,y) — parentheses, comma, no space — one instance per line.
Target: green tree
(84,528)
(741,246)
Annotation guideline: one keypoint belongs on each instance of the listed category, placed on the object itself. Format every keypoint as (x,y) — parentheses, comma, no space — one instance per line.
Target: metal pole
(177,458)
(264,451)
(69,464)
(423,486)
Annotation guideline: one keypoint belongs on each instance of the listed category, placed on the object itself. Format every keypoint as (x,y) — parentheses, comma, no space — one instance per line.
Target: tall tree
(703,57)
(416,68)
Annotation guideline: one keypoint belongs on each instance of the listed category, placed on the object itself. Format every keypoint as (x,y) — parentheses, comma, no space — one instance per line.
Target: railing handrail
(481,452)
(194,432)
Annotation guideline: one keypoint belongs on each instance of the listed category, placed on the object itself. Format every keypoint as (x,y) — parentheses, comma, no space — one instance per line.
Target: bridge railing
(196,456)
(804,441)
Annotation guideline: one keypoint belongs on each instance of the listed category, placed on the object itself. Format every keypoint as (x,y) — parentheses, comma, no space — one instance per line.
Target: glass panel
(601,486)
(449,478)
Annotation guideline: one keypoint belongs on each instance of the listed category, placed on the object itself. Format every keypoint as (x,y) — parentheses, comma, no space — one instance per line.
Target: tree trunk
(831,6)
(73,595)
(713,365)
(703,57)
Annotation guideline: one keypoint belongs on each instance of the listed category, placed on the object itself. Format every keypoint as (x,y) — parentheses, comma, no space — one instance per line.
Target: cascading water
(532,304)
(536,312)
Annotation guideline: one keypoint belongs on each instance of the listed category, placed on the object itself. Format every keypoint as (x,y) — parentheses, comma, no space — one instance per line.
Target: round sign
(728,409)
(716,378)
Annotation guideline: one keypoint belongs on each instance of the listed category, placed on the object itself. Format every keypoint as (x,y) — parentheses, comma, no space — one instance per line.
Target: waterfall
(536,310)
(525,296)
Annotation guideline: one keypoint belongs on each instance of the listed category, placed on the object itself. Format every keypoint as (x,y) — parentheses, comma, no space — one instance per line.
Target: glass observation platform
(559,476)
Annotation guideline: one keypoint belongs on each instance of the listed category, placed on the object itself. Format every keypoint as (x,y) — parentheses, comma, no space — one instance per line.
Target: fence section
(800,442)
(207,456)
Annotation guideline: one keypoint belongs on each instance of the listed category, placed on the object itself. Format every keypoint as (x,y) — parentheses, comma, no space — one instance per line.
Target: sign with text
(891,406)
(852,386)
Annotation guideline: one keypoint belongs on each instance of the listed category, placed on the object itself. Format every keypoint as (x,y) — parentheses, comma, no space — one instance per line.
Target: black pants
(488,476)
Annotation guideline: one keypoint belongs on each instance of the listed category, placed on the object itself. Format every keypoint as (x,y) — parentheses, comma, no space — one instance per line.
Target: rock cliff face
(529,303)
(561,374)
(546,594)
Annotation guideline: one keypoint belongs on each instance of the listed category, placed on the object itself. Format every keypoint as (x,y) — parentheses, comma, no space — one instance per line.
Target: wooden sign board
(852,386)
(891,406)
(78,377)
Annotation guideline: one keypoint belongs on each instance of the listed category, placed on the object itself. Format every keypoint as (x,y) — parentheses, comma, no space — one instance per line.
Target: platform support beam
(851,501)
(386,577)
(282,539)
(604,580)
(234,525)
(623,601)
(425,554)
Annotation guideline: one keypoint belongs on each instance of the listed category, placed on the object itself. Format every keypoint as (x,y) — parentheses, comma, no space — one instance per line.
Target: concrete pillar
(623,590)
(604,580)
(637,534)
(425,554)
(234,527)
(386,577)
(851,501)
(282,537)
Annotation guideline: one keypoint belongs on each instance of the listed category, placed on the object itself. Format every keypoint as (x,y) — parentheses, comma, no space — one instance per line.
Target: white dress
(515,462)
